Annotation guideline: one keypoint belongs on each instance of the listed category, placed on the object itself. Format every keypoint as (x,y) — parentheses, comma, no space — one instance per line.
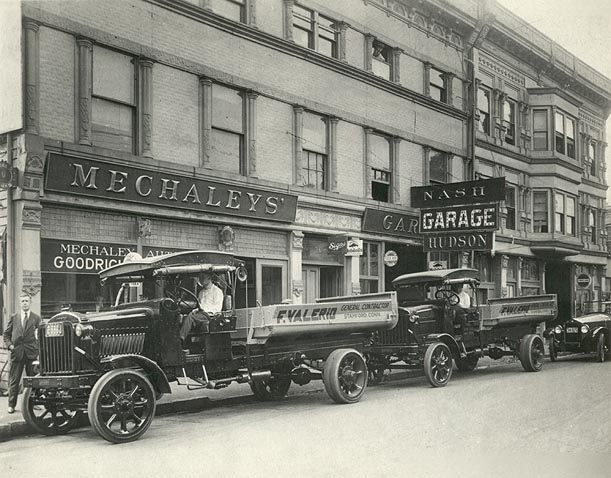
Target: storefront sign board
(392,223)
(450,194)
(459,218)
(459,241)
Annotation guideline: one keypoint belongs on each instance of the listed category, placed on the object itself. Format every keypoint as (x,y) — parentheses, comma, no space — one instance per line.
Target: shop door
(311,284)
(558,280)
(321,281)
(271,282)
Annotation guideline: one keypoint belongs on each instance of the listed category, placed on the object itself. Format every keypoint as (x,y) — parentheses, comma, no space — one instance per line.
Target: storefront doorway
(558,280)
(321,281)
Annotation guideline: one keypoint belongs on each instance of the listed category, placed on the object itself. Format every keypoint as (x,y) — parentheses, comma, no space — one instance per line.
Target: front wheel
(46,415)
(345,376)
(438,364)
(601,348)
(122,405)
(532,353)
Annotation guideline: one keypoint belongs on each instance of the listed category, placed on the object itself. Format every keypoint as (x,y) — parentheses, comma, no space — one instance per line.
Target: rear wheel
(122,405)
(532,352)
(47,417)
(438,364)
(274,388)
(345,376)
(601,348)
(467,364)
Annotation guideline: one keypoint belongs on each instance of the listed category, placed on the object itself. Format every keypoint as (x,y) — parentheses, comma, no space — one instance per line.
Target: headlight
(413,318)
(557,330)
(585,328)
(83,330)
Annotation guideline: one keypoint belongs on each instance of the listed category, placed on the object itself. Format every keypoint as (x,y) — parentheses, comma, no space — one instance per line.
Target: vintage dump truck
(433,328)
(116,364)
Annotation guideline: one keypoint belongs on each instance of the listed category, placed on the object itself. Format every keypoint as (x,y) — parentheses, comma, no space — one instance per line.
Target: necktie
(25,319)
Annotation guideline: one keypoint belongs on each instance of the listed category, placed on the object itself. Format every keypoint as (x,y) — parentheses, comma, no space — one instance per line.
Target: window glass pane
(112,125)
(271,285)
(540,120)
(301,12)
(570,128)
(437,78)
(315,169)
(559,203)
(326,47)
(559,123)
(379,147)
(570,216)
(314,132)
(483,102)
(380,68)
(113,75)
(438,167)
(373,259)
(301,37)
(326,27)
(540,211)
(227,109)
(510,205)
(226,150)
(508,111)
(228,8)
(539,141)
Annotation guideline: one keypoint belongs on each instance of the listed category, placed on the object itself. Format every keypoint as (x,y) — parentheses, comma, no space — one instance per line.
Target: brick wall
(274,140)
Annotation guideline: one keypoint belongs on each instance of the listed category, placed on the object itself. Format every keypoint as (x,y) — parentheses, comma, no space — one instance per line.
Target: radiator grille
(396,336)
(115,344)
(56,353)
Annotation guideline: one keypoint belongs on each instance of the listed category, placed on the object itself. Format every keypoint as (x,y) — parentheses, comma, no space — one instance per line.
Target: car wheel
(41,413)
(532,352)
(438,364)
(601,348)
(467,364)
(272,389)
(553,352)
(345,376)
(122,405)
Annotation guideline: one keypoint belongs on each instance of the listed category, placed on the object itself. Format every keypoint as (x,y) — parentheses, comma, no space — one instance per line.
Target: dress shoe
(11,410)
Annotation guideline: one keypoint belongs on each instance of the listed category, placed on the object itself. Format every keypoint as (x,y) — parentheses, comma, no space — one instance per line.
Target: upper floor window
(540,211)
(232,9)
(381,59)
(540,130)
(438,86)
(592,223)
(380,161)
(565,135)
(315,151)
(530,269)
(483,105)
(439,167)
(564,214)
(509,121)
(228,118)
(315,31)
(510,206)
(113,100)
(592,157)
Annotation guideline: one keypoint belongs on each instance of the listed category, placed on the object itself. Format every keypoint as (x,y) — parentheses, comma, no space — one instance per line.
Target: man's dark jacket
(22,338)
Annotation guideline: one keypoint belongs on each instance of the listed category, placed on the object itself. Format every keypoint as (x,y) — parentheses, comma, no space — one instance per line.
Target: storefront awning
(553,251)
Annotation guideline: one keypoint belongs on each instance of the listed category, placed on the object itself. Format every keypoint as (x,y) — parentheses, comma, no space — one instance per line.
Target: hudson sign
(98,179)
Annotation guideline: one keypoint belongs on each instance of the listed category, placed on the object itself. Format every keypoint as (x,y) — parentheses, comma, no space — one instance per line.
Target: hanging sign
(391,258)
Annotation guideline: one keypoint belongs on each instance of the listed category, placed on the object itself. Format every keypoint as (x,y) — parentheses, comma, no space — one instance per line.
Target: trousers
(14,377)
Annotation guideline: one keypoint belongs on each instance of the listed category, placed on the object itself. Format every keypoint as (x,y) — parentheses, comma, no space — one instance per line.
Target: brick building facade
(332,111)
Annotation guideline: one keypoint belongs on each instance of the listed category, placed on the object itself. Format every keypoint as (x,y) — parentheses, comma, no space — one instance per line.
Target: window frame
(381,176)
(443,90)
(448,168)
(591,154)
(509,120)
(383,48)
(242,166)
(546,210)
(541,131)
(315,26)
(484,124)
(511,210)
(322,151)
(562,140)
(366,259)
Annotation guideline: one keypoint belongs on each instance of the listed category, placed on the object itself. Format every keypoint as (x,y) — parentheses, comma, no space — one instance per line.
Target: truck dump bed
(336,315)
(511,311)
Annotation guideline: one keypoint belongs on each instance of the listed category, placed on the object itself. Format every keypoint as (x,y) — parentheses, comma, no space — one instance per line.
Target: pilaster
(146,70)
(85,57)
(32,82)
(296,253)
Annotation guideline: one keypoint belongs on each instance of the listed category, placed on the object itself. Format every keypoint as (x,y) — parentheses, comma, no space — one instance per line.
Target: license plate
(572,330)
(55,330)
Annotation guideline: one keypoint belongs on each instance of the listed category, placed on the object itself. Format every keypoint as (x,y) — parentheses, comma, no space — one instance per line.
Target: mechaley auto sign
(467,192)
(143,185)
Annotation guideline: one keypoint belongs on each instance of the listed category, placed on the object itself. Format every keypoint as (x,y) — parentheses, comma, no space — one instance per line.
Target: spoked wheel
(345,376)
(601,348)
(46,417)
(467,364)
(553,352)
(122,405)
(532,353)
(272,389)
(438,364)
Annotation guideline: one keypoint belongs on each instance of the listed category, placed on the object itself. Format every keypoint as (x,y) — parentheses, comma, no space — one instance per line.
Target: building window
(438,86)
(593,226)
(439,167)
(381,59)
(540,209)
(483,263)
(565,135)
(381,164)
(227,148)
(510,206)
(233,9)
(370,267)
(483,105)
(511,276)
(530,270)
(315,148)
(559,223)
(592,157)
(570,216)
(540,130)
(113,100)
(314,31)
(509,121)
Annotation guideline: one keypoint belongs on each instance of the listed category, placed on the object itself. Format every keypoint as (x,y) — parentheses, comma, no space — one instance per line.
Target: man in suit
(20,336)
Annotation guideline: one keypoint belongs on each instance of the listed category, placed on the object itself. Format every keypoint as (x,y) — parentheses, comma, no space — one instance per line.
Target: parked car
(115,365)
(589,333)
(433,328)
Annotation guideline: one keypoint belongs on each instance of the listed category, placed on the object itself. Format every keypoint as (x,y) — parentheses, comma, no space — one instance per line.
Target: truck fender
(152,370)
(446,339)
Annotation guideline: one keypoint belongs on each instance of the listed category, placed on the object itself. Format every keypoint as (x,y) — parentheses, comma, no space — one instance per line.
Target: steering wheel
(449,295)
(179,296)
